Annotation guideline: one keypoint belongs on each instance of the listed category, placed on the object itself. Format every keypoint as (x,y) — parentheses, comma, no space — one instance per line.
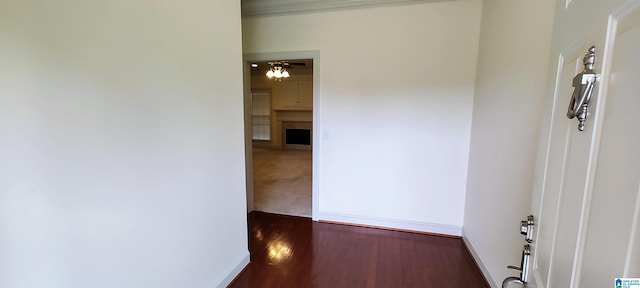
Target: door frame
(315,154)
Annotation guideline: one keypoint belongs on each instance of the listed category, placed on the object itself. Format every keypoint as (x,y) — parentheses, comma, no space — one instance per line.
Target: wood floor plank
(288,251)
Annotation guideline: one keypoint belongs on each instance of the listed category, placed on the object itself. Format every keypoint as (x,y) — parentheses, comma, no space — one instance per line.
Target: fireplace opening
(297,136)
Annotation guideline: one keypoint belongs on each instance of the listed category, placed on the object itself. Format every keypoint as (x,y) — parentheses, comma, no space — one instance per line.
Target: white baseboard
(233,271)
(391,223)
(478,260)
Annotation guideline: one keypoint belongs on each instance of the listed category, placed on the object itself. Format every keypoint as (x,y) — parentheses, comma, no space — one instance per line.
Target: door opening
(279,118)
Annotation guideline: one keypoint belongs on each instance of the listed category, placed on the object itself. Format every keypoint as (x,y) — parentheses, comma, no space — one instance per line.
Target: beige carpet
(282,181)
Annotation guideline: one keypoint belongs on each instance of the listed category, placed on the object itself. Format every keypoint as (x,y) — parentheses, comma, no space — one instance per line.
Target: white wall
(510,86)
(121,144)
(395,96)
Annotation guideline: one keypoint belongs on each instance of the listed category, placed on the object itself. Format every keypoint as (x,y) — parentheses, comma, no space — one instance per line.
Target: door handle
(583,84)
(524,265)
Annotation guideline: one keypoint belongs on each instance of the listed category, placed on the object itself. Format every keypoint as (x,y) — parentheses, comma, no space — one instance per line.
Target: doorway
(280,142)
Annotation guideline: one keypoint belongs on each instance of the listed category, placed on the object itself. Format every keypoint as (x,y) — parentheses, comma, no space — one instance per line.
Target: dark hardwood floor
(289,251)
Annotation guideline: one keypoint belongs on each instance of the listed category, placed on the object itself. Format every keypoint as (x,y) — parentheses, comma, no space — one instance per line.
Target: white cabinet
(293,95)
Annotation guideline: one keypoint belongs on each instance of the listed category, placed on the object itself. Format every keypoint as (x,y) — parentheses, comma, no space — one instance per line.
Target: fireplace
(296,135)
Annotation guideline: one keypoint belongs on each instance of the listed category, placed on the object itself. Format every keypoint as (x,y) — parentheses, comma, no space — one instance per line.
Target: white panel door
(587,195)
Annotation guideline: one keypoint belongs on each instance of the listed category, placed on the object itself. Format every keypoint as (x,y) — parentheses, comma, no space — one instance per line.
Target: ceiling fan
(287,64)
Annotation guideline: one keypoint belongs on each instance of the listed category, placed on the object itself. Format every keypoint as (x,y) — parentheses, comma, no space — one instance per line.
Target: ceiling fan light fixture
(277,71)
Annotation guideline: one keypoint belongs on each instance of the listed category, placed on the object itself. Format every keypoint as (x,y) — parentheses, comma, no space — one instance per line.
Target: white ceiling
(278,7)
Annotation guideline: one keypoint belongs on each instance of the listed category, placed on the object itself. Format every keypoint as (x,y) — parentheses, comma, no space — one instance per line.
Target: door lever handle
(514,268)
(524,264)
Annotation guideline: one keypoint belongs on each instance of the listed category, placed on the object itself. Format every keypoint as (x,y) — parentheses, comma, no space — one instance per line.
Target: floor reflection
(279,250)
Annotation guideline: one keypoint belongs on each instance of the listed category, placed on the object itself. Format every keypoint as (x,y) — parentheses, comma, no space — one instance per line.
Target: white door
(587,194)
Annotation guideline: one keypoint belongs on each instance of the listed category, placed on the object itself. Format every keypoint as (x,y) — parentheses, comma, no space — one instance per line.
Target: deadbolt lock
(526,229)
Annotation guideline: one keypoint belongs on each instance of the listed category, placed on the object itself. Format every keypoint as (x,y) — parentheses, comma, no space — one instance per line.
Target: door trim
(315,154)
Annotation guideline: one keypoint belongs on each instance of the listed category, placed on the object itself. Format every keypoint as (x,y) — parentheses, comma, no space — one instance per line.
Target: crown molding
(253,8)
